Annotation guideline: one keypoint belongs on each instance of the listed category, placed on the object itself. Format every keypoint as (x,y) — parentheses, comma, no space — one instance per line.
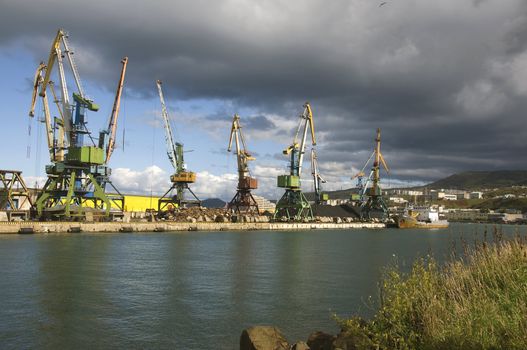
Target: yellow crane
(182,177)
(243,201)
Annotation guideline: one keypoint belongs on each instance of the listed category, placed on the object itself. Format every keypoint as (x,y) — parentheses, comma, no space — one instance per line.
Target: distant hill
(482,179)
(213,203)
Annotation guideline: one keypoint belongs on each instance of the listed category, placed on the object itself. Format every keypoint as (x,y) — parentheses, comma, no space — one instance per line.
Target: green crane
(293,205)
(374,205)
(78,174)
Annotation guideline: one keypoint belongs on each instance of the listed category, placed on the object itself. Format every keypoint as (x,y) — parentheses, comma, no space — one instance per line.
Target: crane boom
(37,81)
(317,178)
(307,119)
(37,85)
(242,155)
(112,125)
(54,53)
(73,66)
(169,138)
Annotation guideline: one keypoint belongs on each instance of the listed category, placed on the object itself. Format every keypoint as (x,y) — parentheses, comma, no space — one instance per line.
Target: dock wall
(58,227)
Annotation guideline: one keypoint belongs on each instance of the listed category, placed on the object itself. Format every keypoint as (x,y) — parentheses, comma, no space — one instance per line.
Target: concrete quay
(29,227)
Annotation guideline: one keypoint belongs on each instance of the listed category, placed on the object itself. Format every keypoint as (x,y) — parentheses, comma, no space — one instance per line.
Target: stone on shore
(320,341)
(300,346)
(263,338)
(352,340)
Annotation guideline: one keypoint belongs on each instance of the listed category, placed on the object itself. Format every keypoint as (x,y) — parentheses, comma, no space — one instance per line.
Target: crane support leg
(294,206)
(243,202)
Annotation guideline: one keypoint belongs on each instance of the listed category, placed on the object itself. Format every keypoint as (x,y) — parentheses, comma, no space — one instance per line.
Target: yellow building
(140,203)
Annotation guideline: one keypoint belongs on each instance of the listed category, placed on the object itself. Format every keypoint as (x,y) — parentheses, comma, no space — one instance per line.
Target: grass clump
(479,302)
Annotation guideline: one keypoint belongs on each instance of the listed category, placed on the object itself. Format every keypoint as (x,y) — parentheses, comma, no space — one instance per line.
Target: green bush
(479,302)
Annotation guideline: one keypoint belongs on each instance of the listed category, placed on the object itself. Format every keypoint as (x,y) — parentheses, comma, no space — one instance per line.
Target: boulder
(320,341)
(263,338)
(264,218)
(352,339)
(221,218)
(300,346)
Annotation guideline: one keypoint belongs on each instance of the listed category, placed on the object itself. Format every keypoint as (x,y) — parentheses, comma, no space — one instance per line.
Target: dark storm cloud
(445,80)
(259,122)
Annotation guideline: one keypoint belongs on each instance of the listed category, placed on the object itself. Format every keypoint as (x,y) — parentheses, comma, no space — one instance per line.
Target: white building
(264,204)
(476,195)
(398,200)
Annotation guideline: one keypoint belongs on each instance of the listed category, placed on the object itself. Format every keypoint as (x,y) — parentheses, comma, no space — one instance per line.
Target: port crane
(243,201)
(181,178)
(372,202)
(79,173)
(317,179)
(363,181)
(293,205)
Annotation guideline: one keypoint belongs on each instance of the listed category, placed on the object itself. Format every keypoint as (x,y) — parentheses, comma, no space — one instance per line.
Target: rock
(263,338)
(320,341)
(300,346)
(264,218)
(352,340)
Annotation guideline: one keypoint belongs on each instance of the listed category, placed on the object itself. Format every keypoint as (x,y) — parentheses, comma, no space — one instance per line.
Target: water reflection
(196,290)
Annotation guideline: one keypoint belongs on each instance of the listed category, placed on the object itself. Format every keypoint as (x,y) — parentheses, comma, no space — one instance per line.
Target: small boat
(420,217)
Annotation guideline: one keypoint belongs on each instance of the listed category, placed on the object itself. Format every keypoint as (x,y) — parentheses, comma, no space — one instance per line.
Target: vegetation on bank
(478,301)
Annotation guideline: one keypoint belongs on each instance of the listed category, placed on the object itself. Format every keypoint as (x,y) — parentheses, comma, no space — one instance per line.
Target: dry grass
(478,301)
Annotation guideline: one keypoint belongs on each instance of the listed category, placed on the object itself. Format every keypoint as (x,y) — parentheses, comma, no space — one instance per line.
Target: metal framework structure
(243,201)
(374,205)
(317,179)
(78,175)
(181,178)
(293,205)
(14,194)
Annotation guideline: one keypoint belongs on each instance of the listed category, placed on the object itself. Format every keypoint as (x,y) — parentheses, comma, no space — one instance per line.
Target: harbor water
(198,290)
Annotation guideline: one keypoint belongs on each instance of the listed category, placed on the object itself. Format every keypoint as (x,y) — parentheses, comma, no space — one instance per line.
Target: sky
(446,81)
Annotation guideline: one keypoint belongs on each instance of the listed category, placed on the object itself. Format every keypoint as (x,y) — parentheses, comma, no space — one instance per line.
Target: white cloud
(209,185)
(153,179)
(35,181)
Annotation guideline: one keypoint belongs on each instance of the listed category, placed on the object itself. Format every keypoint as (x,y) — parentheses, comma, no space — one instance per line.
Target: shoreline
(36,227)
